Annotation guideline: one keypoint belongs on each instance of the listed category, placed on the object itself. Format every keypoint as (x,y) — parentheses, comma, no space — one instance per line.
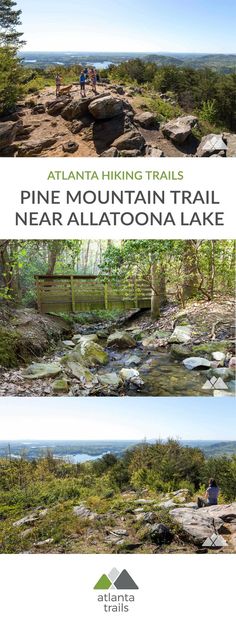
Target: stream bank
(130,355)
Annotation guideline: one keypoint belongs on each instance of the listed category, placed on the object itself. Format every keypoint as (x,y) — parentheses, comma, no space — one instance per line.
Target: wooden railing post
(106,296)
(72,294)
(135,293)
(38,295)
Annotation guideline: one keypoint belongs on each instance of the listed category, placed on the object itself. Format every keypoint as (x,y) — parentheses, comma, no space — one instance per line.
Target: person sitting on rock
(82,82)
(58,85)
(211,495)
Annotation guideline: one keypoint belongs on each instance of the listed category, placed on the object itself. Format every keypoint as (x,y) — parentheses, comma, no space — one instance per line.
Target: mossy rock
(9,345)
(210,347)
(180,351)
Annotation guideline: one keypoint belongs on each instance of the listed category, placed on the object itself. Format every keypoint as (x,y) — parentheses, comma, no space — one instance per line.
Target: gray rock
(68,344)
(230,138)
(41,371)
(76,109)
(76,126)
(226,374)
(180,351)
(60,387)
(130,141)
(8,132)
(191,363)
(37,514)
(110,152)
(199,524)
(120,339)
(179,129)
(56,106)
(70,147)
(110,379)
(105,107)
(154,151)
(93,354)
(218,356)
(33,148)
(130,375)
(133,360)
(39,108)
(145,119)
(181,335)
(83,512)
(210,145)
(161,534)
(80,372)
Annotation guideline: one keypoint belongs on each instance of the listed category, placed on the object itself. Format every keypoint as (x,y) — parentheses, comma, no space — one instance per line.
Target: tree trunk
(162,285)
(190,269)
(155,298)
(54,248)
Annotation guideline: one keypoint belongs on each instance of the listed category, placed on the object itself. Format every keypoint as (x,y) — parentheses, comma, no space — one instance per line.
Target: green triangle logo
(103,583)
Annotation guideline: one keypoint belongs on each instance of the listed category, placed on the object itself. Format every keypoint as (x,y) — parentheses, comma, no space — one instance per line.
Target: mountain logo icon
(116,581)
(215,542)
(215,384)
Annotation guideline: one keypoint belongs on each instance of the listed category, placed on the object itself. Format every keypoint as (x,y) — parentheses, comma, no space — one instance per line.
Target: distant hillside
(219,448)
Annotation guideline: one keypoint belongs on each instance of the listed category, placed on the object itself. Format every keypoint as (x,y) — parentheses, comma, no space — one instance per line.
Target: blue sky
(133,25)
(117,418)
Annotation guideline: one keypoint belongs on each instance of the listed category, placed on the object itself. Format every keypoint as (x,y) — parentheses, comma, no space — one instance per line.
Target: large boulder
(105,107)
(120,339)
(230,138)
(130,141)
(181,335)
(76,109)
(8,132)
(42,371)
(179,129)
(199,363)
(145,119)
(211,145)
(200,524)
(33,148)
(55,107)
(92,354)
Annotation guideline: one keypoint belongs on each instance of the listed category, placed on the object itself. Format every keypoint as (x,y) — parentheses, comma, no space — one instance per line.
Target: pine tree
(10,18)
(10,64)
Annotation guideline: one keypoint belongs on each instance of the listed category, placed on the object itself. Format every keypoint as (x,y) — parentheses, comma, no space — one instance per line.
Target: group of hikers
(88,75)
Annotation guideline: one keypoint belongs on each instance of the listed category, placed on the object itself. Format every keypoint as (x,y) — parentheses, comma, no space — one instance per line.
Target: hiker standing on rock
(211,495)
(58,85)
(82,82)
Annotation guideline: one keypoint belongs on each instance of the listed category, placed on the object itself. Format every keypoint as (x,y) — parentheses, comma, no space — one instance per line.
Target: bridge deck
(62,293)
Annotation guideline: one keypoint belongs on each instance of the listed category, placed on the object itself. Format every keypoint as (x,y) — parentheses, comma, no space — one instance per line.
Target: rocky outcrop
(211,145)
(179,129)
(105,107)
(200,524)
(8,131)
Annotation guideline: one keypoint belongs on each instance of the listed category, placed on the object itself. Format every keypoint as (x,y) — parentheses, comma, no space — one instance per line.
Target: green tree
(11,72)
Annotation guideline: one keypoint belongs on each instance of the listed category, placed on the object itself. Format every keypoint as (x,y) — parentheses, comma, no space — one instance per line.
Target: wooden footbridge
(62,293)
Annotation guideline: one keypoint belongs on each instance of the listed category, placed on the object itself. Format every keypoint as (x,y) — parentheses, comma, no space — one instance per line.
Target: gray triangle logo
(125,582)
